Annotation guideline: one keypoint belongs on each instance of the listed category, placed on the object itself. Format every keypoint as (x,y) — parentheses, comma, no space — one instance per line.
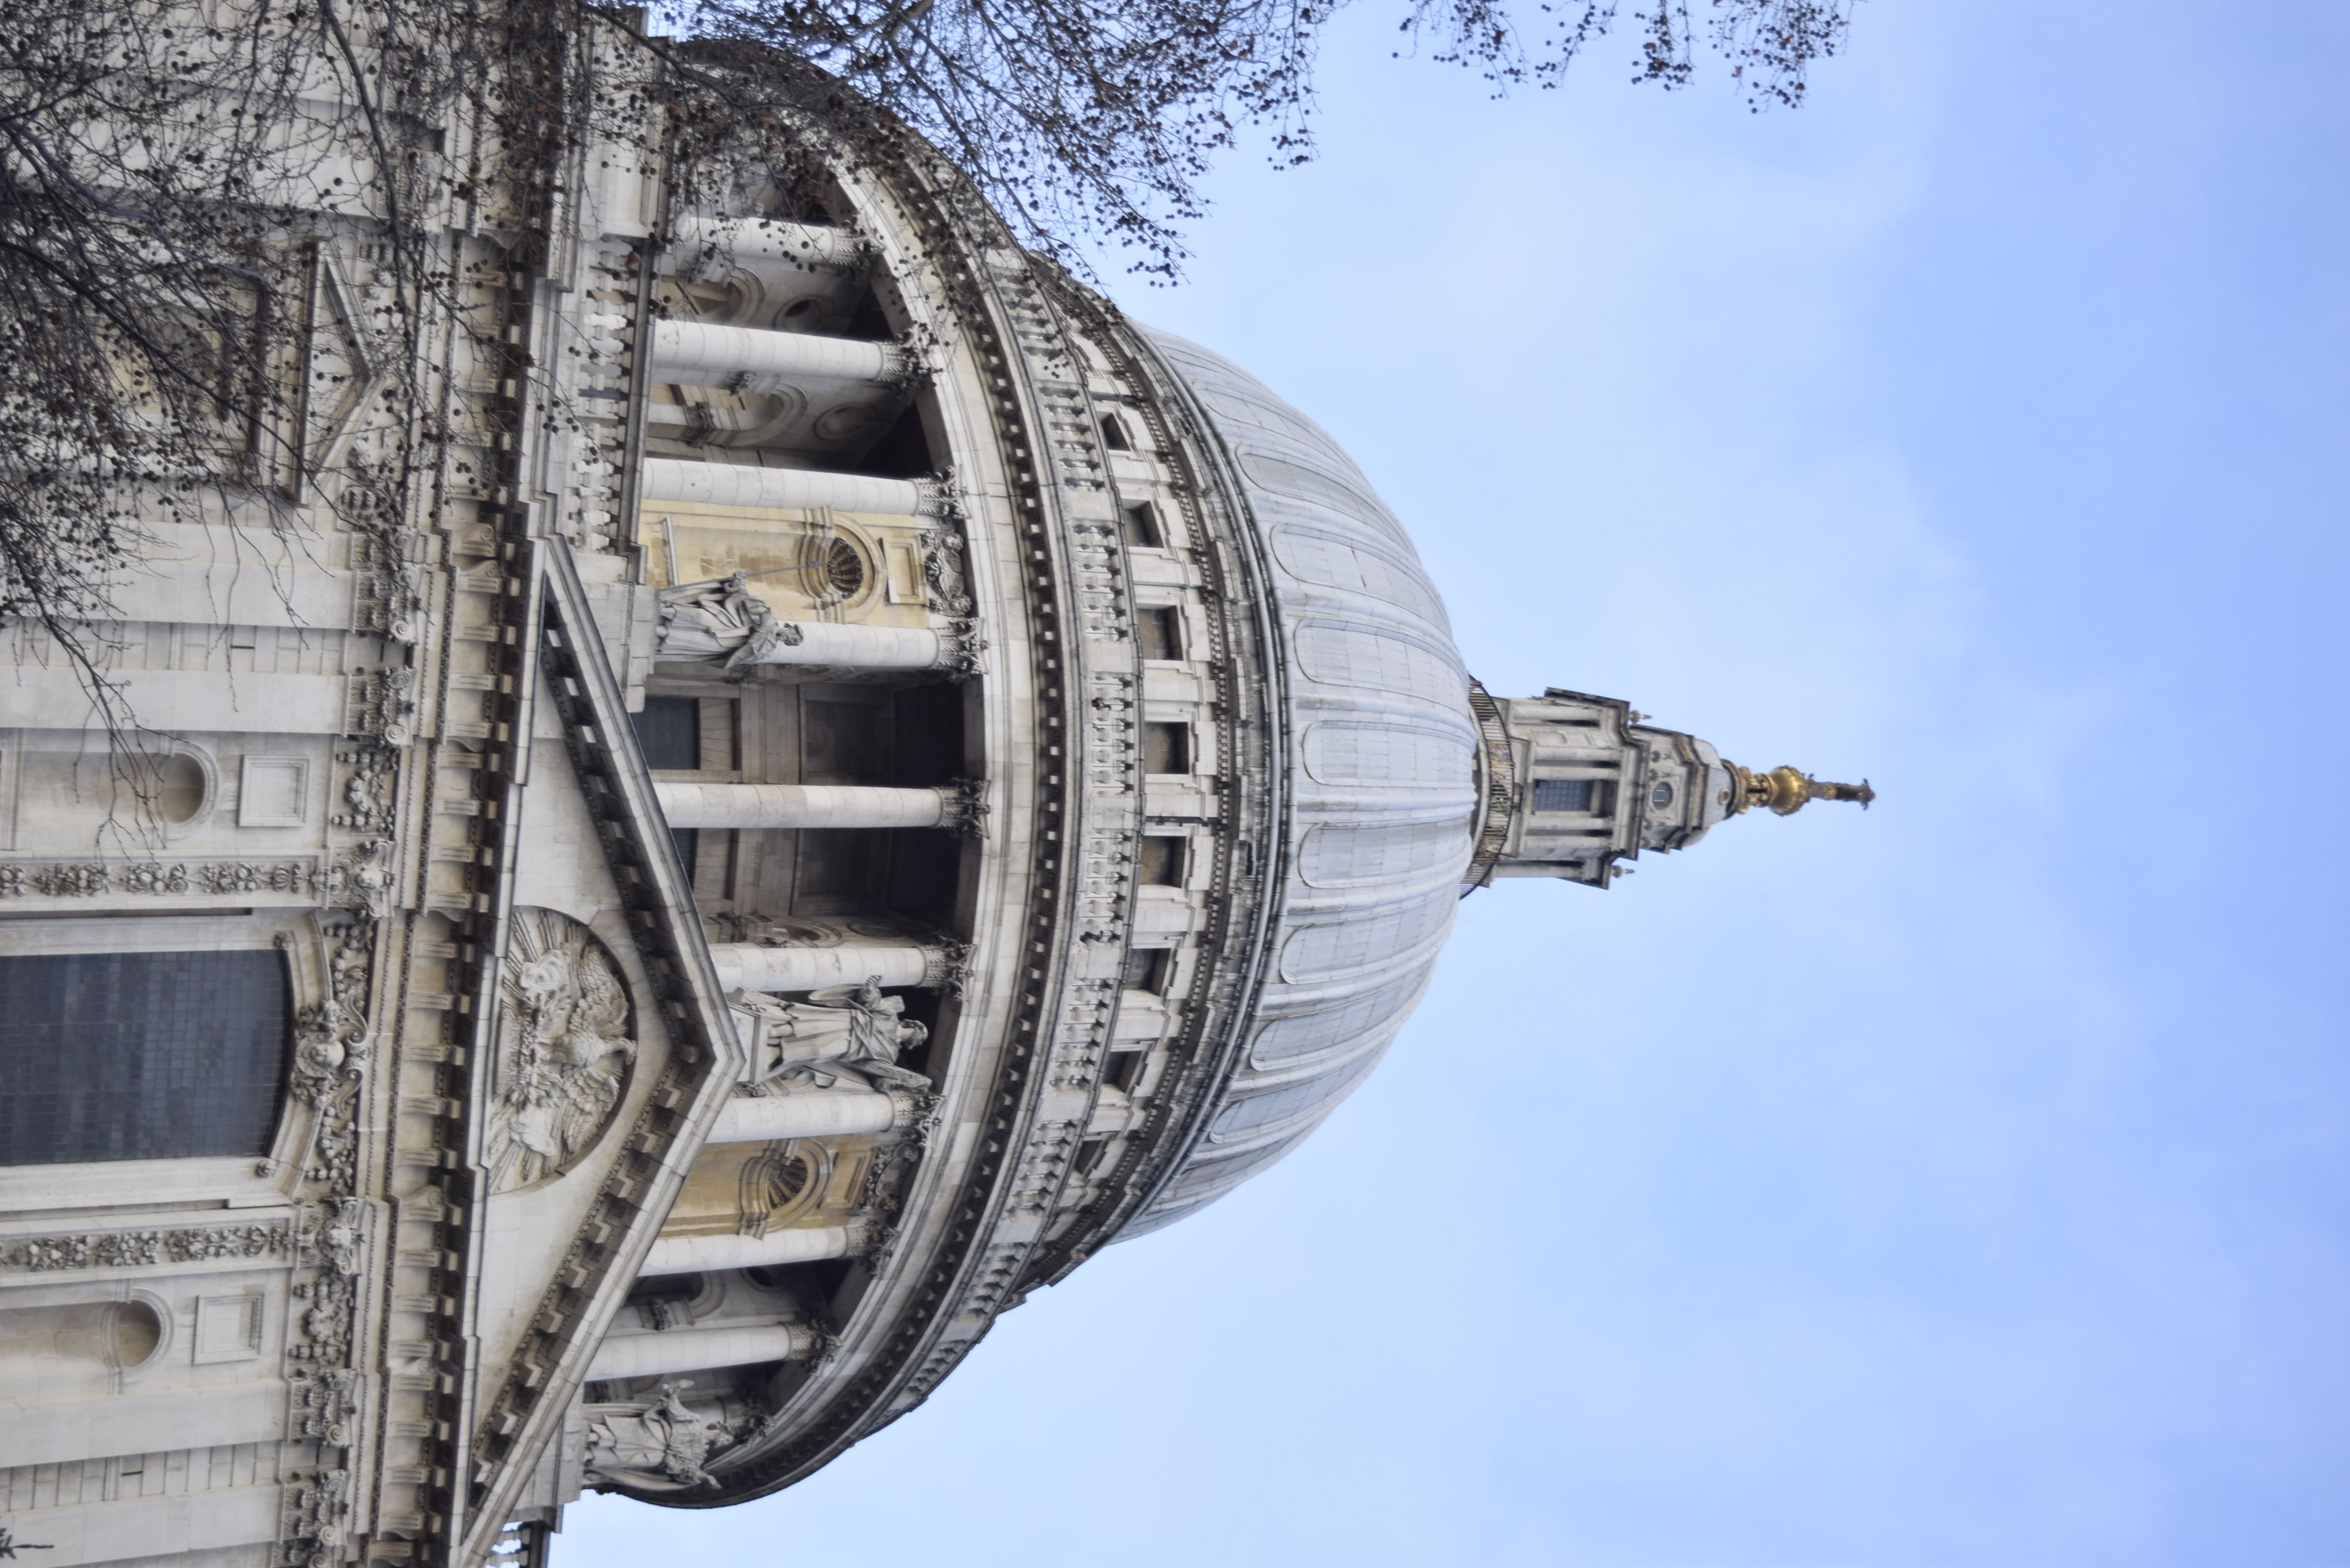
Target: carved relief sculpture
(842,1036)
(657,1447)
(563,1049)
(721,619)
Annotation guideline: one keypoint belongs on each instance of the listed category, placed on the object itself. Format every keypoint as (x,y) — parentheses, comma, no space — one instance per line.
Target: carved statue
(721,618)
(843,1035)
(563,1050)
(655,1447)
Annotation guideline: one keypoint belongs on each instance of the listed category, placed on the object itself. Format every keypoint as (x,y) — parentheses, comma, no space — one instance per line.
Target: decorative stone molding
(318,1520)
(337,1238)
(144,1248)
(367,789)
(942,569)
(359,878)
(325,1409)
(383,704)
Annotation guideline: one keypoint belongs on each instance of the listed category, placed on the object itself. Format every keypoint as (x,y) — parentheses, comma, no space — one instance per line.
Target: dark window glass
(1142,527)
(139,1055)
(1166,748)
(1566,795)
(1661,796)
(669,731)
(843,741)
(1160,632)
(1114,434)
(1162,861)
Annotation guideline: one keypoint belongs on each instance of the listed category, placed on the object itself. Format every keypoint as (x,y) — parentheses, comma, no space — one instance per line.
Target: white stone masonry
(699,354)
(802,805)
(755,968)
(699,1254)
(808,1113)
(740,484)
(697,1349)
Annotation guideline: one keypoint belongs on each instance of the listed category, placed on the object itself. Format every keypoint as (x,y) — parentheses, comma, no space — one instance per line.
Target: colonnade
(759,361)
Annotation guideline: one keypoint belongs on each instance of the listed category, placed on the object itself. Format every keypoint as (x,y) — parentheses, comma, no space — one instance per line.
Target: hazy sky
(1963,1182)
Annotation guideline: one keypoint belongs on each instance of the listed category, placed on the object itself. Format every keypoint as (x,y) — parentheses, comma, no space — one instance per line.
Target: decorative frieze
(359,877)
(145,1249)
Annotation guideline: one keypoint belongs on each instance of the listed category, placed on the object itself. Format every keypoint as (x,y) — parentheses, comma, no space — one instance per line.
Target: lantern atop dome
(1574,784)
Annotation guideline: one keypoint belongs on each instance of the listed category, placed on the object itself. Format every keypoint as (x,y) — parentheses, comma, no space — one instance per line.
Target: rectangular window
(1142,531)
(1147,969)
(1166,748)
(1161,632)
(1162,860)
(152,1056)
(1597,796)
(670,733)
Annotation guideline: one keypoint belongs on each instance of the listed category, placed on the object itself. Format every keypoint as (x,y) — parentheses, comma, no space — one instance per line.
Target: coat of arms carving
(564,1049)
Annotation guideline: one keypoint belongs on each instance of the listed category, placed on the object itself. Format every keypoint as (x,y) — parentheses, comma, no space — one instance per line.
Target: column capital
(911,1110)
(903,365)
(959,644)
(963,808)
(946,964)
(938,495)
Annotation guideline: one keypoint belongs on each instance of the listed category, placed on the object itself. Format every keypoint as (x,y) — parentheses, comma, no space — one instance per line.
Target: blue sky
(1963,1182)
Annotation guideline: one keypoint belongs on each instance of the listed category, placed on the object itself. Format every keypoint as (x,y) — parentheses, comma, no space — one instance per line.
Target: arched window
(140,1055)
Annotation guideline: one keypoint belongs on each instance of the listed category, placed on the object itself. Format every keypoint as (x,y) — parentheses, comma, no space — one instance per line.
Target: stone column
(702,1254)
(753,967)
(698,1349)
(956,808)
(810,1112)
(705,245)
(855,646)
(741,484)
(741,358)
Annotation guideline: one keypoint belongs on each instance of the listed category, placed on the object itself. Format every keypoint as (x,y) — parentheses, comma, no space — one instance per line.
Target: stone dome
(1381,763)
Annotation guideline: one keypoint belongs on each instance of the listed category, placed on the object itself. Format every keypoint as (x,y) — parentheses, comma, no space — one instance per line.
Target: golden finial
(1787,790)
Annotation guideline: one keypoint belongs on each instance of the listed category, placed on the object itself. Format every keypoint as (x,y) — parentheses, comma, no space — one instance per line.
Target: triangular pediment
(608,1050)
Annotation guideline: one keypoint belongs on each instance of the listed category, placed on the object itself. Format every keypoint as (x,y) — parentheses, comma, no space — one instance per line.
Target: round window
(179,782)
(1661,796)
(844,569)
